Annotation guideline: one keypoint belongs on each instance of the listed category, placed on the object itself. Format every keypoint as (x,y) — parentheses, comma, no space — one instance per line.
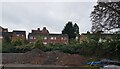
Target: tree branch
(118,12)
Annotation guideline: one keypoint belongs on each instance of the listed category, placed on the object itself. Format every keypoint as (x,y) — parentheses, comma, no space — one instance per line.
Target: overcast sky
(53,15)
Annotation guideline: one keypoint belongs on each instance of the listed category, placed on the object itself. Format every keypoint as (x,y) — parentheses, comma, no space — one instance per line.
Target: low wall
(25,66)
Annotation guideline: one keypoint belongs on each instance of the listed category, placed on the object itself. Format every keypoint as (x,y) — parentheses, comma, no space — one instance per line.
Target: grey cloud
(25,15)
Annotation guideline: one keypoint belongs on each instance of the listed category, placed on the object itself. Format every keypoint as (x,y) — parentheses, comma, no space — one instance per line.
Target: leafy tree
(113,46)
(106,16)
(71,30)
(17,42)
(7,46)
(39,44)
(76,28)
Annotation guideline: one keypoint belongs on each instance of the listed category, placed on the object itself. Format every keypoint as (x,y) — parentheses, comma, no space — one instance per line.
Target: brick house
(17,34)
(102,36)
(56,38)
(47,37)
(3,32)
(3,29)
(7,35)
(44,31)
(83,37)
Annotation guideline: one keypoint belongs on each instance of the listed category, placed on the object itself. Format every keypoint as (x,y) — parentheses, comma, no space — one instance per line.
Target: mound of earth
(37,56)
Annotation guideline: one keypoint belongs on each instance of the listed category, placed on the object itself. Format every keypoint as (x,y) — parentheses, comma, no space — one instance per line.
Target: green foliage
(24,48)
(39,44)
(113,46)
(71,30)
(107,47)
(7,47)
(76,28)
(18,42)
(70,48)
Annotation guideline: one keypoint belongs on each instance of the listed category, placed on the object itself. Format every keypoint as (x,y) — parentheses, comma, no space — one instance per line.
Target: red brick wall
(21,37)
(56,39)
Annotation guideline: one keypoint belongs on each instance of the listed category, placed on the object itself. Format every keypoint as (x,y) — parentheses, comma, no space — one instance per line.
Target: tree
(106,16)
(76,28)
(17,42)
(69,30)
(39,44)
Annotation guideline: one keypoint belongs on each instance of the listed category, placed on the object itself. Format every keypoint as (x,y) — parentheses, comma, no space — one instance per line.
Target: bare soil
(37,56)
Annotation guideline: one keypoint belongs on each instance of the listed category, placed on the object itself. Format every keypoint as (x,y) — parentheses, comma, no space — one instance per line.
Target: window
(1,37)
(55,38)
(22,35)
(76,38)
(31,37)
(45,43)
(45,38)
(52,38)
(34,37)
(62,38)
(17,35)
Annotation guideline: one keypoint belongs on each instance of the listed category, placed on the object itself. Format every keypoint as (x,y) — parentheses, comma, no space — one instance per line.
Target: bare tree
(106,16)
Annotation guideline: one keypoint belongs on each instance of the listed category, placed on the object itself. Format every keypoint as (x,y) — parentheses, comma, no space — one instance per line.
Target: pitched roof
(58,35)
(19,32)
(35,34)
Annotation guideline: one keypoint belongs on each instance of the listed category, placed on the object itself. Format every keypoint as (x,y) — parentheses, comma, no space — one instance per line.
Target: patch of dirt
(37,56)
